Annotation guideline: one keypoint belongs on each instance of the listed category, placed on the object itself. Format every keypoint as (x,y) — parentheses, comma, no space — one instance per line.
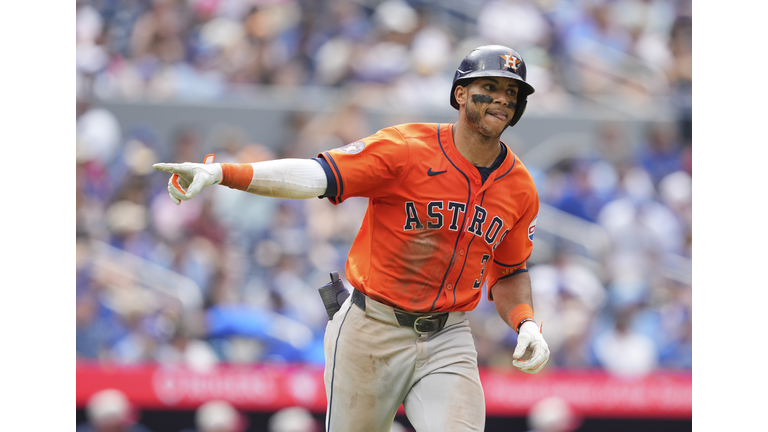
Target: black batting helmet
(494,61)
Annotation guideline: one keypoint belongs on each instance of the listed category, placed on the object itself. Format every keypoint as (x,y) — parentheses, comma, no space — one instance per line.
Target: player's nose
(501,99)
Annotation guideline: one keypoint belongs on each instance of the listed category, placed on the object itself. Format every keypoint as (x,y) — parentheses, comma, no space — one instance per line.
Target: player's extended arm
(512,297)
(283,178)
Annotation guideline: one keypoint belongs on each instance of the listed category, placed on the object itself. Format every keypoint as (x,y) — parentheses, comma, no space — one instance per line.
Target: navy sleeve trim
(338,175)
(335,169)
(514,273)
(330,190)
(513,265)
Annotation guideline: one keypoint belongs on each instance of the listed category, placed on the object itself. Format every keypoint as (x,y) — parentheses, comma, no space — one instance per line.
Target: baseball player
(451,209)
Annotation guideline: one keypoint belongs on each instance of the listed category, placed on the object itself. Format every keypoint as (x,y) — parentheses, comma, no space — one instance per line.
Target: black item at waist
(420,322)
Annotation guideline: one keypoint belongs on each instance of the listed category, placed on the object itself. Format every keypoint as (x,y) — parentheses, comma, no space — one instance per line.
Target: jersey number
(478,282)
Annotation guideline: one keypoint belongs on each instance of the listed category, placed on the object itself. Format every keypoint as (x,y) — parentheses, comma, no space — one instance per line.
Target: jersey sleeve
(371,167)
(514,249)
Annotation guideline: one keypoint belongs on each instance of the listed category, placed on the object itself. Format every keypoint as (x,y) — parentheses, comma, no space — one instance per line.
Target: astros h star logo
(512,62)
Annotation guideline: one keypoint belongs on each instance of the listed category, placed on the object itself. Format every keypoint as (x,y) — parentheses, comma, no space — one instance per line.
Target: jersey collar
(452,153)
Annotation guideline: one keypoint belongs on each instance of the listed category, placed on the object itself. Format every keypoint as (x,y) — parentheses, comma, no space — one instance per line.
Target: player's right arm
(283,178)
(369,167)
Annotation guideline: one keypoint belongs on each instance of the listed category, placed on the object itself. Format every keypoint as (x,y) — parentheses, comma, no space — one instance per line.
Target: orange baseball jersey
(434,232)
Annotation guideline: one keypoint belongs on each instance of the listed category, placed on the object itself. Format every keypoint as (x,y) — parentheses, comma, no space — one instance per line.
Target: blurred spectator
(329,130)
(422,85)
(567,295)
(660,155)
(293,419)
(187,144)
(648,23)
(98,134)
(110,411)
(623,351)
(243,214)
(579,194)
(674,302)
(680,70)
(676,191)
(218,416)
(387,57)
(185,349)
(592,43)
(552,414)
(531,27)
(97,328)
(137,345)
(613,144)
(638,223)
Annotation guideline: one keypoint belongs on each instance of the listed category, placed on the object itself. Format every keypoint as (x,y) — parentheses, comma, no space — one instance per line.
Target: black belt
(419,322)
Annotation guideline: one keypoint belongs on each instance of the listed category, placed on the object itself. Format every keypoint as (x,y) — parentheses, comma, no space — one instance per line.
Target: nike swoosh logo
(434,173)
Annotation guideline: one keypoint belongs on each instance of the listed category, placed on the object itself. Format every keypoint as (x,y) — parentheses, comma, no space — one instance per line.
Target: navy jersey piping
(466,255)
(333,370)
(510,168)
(458,235)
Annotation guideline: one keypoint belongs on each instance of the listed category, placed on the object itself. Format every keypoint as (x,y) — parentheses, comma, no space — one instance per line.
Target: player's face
(490,104)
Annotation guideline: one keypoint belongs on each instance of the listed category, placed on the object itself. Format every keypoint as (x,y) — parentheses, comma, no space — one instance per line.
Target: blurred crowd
(399,51)
(255,263)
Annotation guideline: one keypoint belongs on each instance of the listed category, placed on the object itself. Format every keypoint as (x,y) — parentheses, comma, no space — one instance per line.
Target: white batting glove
(531,352)
(190,178)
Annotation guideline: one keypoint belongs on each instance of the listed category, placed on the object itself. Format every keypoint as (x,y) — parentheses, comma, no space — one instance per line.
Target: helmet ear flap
(522,103)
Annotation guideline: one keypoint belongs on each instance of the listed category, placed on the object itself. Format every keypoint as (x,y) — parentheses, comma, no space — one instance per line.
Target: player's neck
(478,149)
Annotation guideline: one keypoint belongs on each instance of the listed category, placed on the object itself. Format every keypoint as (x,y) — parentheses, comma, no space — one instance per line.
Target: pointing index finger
(167,167)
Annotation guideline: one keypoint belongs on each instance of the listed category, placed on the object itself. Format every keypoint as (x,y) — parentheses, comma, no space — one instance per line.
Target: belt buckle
(416,322)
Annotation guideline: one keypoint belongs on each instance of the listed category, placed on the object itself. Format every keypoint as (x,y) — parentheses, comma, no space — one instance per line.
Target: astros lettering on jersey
(427,202)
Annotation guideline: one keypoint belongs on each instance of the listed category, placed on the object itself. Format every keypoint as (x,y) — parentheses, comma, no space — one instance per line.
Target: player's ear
(460,93)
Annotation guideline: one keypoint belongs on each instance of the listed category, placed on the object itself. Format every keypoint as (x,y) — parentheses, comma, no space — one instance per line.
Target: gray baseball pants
(373,365)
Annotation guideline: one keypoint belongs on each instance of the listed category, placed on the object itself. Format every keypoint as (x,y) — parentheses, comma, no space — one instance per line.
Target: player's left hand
(532,352)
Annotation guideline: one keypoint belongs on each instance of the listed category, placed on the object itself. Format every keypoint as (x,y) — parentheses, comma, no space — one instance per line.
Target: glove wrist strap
(523,322)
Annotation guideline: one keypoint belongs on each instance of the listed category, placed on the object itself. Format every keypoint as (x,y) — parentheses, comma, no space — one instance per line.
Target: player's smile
(497,113)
